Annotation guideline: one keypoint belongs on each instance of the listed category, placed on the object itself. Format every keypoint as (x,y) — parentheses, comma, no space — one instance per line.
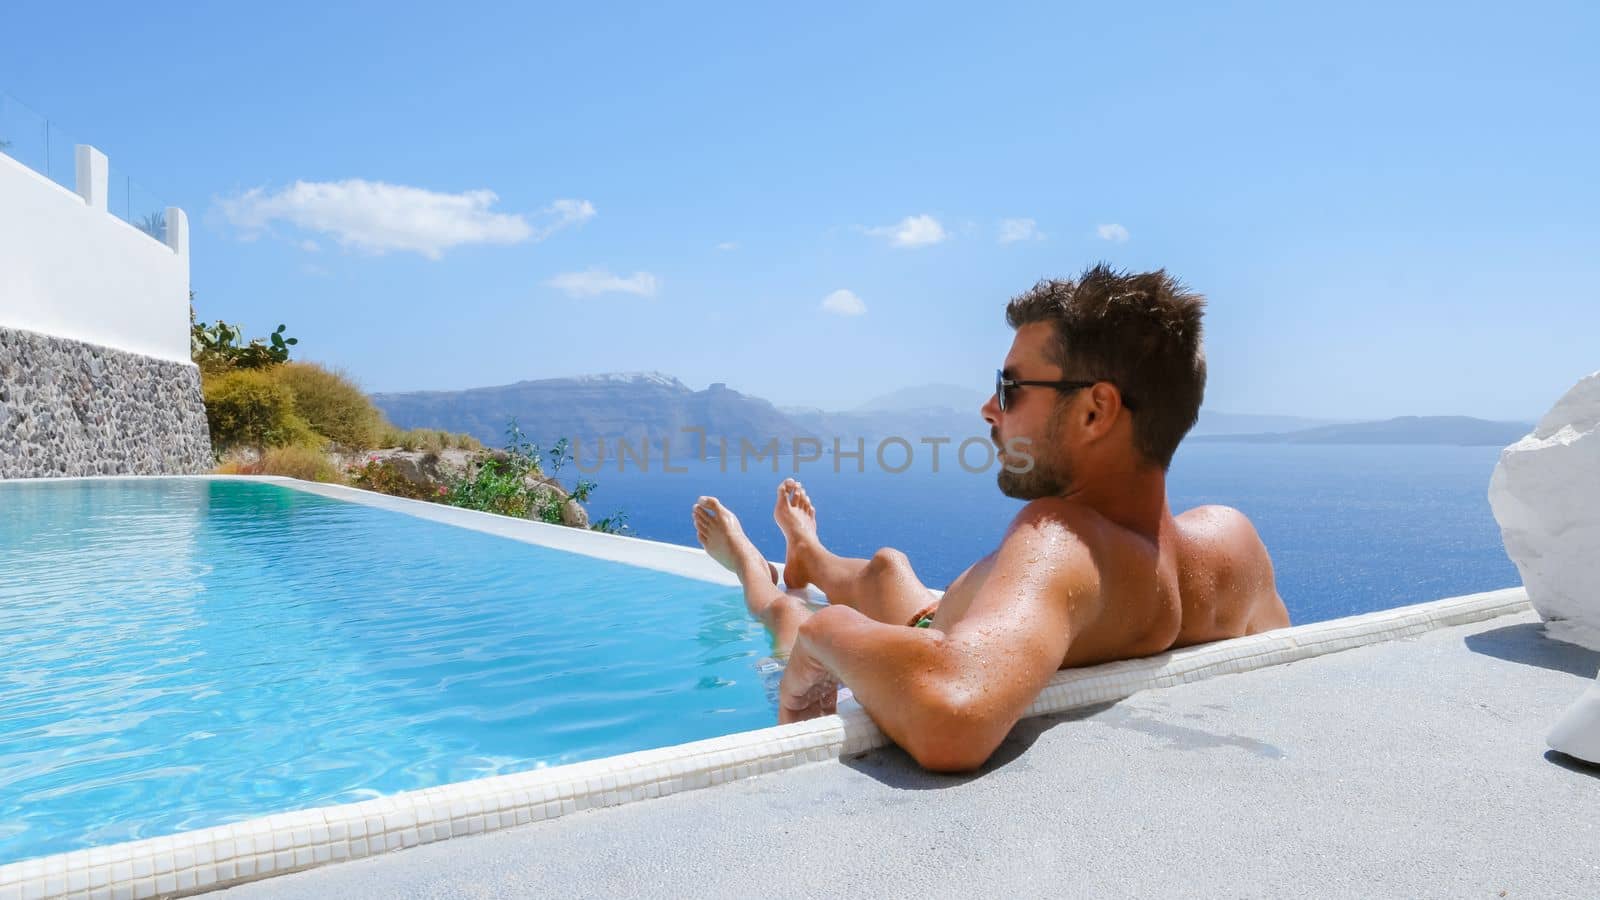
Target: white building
(95,375)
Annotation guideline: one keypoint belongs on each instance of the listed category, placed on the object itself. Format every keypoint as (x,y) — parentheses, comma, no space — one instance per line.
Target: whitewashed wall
(68,268)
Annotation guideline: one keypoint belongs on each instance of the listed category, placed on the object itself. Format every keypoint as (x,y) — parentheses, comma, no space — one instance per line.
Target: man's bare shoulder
(1050,546)
(1223,542)
(1215,515)
(1062,533)
(1057,510)
(1222,531)
(1061,521)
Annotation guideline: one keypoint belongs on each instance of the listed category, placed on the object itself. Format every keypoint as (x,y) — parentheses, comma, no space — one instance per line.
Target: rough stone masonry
(71,408)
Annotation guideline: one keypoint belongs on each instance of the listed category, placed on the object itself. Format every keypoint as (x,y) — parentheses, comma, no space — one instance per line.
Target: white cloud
(562,214)
(1013,230)
(728,245)
(598,281)
(376,217)
(912,231)
(1113,232)
(844,303)
(310,246)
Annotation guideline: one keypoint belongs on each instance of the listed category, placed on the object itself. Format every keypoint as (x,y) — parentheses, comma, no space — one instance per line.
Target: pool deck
(1413,767)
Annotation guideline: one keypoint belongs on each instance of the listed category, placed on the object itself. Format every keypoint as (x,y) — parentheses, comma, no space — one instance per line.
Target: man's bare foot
(797,519)
(724,539)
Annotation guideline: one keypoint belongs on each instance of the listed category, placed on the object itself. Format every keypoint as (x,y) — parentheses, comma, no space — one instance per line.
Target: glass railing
(130,202)
(38,143)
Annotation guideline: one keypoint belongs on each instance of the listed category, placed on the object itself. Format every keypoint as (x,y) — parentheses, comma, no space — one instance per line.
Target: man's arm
(950,697)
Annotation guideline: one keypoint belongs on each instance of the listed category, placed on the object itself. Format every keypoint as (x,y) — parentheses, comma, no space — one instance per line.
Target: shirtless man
(1105,376)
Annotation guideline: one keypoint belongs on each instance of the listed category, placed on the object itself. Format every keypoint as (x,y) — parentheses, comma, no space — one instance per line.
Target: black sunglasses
(1003,386)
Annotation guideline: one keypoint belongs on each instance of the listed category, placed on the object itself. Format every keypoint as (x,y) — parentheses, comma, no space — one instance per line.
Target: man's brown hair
(1140,331)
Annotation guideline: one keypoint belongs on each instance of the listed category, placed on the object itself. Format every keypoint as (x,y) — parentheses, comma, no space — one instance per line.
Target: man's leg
(883,587)
(722,536)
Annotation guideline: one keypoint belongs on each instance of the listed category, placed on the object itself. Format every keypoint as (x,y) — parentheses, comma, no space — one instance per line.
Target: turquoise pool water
(185,653)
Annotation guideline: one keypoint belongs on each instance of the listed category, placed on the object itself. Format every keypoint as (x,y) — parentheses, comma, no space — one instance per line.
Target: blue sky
(1392,211)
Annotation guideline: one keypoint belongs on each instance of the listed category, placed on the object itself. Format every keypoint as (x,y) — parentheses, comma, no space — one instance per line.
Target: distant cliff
(1452,430)
(628,406)
(652,406)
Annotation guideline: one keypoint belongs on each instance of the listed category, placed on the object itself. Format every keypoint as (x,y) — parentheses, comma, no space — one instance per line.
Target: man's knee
(889,561)
(783,615)
(784,607)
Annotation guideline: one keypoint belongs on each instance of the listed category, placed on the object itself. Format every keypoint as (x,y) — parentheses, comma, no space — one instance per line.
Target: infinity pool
(181,653)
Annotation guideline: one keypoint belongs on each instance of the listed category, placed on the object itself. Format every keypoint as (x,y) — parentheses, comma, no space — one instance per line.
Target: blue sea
(1351,529)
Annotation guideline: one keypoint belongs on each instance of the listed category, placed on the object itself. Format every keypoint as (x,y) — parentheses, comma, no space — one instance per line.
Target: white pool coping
(202,860)
(689,562)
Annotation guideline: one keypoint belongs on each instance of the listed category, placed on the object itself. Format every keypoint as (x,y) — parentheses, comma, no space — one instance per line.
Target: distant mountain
(1452,430)
(638,406)
(912,425)
(956,407)
(928,396)
(1246,423)
(631,406)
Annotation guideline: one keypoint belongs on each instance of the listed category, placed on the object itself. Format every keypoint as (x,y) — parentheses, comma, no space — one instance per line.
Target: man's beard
(1047,477)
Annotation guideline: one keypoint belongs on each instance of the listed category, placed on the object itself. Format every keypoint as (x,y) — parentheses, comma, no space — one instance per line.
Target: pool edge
(225,855)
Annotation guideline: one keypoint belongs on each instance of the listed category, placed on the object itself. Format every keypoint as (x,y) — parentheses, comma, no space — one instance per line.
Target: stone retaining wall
(71,408)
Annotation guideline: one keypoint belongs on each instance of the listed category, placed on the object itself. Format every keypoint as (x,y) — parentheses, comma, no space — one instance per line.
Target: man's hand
(807,690)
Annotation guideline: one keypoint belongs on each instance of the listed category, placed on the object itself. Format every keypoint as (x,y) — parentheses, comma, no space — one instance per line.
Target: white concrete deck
(1415,767)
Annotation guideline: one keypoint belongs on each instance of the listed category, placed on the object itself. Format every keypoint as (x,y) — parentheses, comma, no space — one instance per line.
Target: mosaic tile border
(198,861)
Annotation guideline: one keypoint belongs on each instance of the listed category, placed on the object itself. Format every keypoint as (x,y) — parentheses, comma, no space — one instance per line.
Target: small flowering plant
(382,476)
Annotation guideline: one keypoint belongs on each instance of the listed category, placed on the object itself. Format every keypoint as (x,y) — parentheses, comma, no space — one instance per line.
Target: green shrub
(248,407)
(220,347)
(431,440)
(500,484)
(425,439)
(331,404)
(304,463)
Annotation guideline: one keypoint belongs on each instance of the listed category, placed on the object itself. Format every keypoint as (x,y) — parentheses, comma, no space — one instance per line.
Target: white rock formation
(1545,493)
(1578,732)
